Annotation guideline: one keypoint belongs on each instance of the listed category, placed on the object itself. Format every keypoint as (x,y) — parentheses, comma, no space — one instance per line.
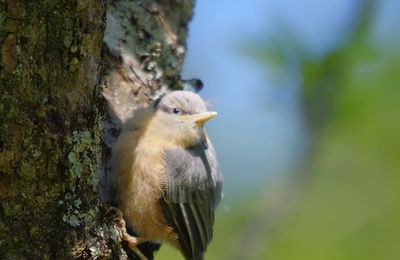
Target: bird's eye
(176,110)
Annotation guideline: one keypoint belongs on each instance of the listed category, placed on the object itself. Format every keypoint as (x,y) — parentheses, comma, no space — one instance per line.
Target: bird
(166,176)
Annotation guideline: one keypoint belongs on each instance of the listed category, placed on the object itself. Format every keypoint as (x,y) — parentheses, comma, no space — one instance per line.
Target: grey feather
(188,102)
(193,191)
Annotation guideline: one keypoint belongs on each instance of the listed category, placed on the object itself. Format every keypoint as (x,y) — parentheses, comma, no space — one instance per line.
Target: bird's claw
(124,235)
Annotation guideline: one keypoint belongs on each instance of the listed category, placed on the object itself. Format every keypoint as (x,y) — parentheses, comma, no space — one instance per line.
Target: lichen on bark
(52,75)
(50,128)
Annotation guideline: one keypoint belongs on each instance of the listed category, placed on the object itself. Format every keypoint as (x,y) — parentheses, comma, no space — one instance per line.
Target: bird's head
(180,117)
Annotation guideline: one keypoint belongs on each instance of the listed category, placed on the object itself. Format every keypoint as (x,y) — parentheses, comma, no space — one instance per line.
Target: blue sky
(260,132)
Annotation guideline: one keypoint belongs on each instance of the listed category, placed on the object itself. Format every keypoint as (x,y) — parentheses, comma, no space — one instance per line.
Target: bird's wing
(193,190)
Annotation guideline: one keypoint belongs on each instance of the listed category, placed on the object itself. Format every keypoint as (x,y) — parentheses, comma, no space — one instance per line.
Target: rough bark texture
(51,113)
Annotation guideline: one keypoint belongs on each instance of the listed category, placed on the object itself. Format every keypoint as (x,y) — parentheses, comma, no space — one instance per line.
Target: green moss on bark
(51,117)
(51,129)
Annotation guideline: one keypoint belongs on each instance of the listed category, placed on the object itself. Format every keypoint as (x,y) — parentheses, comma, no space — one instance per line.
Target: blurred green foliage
(349,207)
(345,202)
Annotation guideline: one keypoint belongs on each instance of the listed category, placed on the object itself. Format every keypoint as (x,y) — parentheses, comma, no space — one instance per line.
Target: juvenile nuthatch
(166,174)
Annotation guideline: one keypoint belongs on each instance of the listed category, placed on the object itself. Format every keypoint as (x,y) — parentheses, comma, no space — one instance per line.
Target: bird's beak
(202,118)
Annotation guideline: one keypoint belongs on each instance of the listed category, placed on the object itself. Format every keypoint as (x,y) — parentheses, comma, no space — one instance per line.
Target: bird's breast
(144,179)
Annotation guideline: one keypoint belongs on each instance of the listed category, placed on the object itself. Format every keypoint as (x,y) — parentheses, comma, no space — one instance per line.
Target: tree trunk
(55,69)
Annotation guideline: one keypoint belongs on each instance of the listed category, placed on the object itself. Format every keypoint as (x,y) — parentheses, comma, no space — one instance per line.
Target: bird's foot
(132,241)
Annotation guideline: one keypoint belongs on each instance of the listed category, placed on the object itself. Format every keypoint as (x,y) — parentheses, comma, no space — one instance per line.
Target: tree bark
(55,74)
